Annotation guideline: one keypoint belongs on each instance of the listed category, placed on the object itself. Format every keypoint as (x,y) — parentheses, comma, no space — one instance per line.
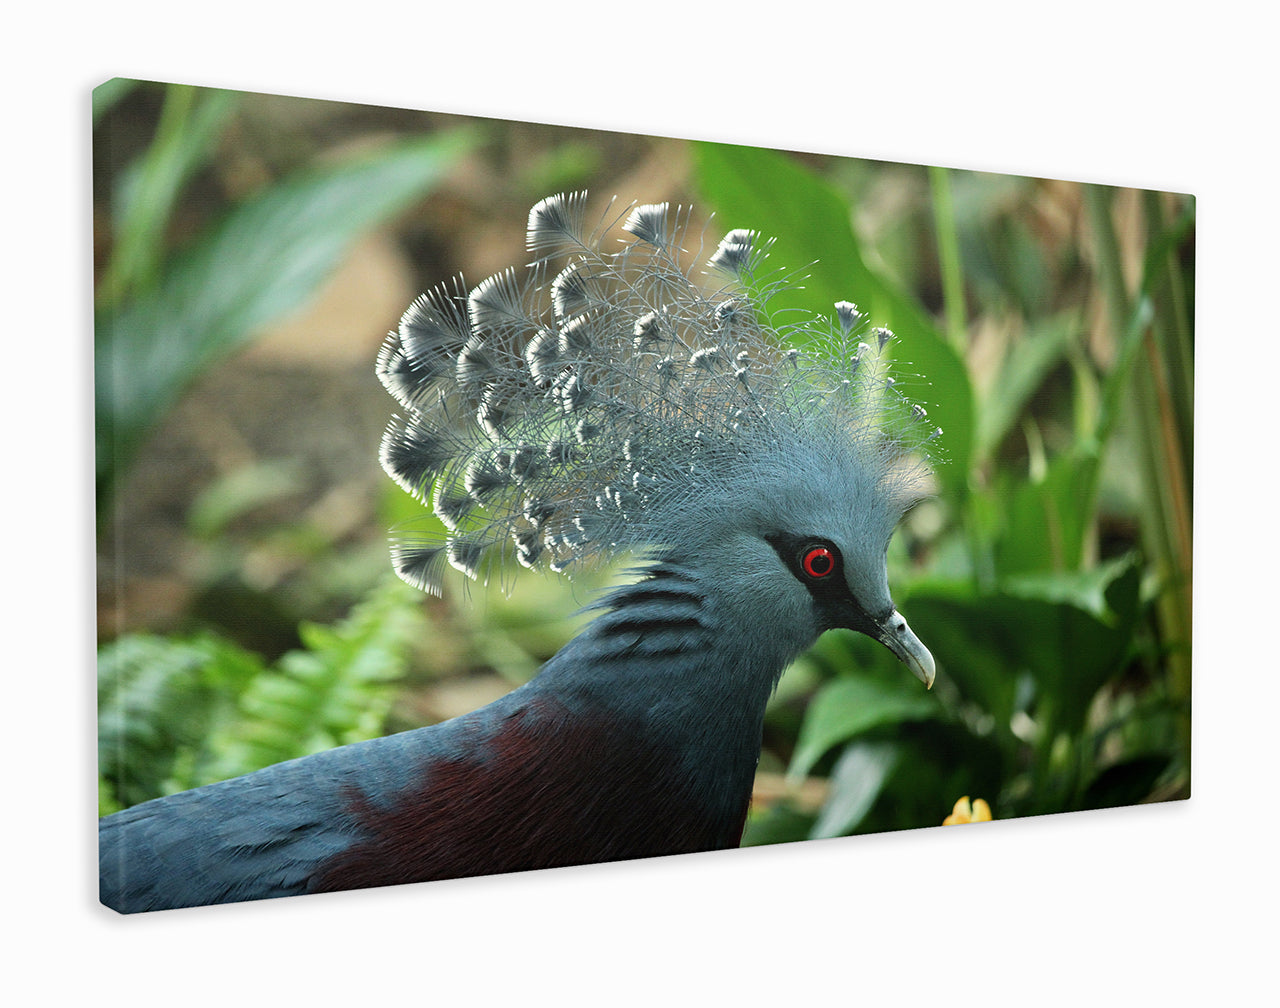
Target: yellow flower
(979,811)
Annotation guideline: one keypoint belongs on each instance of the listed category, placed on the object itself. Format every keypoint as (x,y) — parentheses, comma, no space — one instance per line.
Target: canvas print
(479,496)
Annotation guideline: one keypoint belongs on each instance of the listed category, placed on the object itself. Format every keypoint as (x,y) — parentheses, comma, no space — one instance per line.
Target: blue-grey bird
(600,405)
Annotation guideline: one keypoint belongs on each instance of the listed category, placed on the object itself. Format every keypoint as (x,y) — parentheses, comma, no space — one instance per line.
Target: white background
(1165,904)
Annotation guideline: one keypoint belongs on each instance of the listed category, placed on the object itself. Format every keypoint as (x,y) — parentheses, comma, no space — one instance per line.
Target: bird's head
(801,536)
(606,403)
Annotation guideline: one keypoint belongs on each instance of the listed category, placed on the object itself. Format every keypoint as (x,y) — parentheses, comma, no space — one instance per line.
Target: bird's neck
(672,657)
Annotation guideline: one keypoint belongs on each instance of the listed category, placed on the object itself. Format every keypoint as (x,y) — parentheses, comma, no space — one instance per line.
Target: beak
(898,638)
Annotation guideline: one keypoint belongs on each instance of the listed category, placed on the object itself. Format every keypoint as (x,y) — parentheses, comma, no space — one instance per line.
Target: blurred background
(252,251)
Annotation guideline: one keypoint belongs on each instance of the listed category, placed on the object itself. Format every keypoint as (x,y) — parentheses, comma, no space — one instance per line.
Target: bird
(620,400)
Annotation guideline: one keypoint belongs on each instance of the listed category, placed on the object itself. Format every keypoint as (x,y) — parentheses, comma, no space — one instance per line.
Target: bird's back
(254,837)
(541,778)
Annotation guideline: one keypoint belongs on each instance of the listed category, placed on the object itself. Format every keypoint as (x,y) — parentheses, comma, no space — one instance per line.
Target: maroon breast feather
(550,788)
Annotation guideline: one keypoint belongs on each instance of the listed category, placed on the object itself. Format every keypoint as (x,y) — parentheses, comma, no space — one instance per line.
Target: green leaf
(190,125)
(333,693)
(810,220)
(157,699)
(177,713)
(935,762)
(262,261)
(781,823)
(856,781)
(1044,523)
(985,644)
(846,708)
(239,492)
(952,619)
(1085,589)
(1022,372)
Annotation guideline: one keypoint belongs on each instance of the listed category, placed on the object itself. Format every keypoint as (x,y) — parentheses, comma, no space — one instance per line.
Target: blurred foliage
(1045,326)
(178,712)
(163,314)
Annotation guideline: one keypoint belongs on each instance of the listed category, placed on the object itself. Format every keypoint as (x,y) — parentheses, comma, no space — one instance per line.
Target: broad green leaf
(1071,653)
(262,261)
(810,220)
(985,644)
(1086,589)
(846,708)
(856,781)
(1044,523)
(953,621)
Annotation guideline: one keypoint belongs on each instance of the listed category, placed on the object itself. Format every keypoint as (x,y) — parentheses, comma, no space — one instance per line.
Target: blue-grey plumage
(628,741)
(606,405)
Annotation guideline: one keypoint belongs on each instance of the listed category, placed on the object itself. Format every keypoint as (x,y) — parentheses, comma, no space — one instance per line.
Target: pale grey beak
(898,638)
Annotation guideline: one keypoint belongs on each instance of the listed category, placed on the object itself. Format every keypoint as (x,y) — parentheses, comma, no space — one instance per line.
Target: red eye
(818,561)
